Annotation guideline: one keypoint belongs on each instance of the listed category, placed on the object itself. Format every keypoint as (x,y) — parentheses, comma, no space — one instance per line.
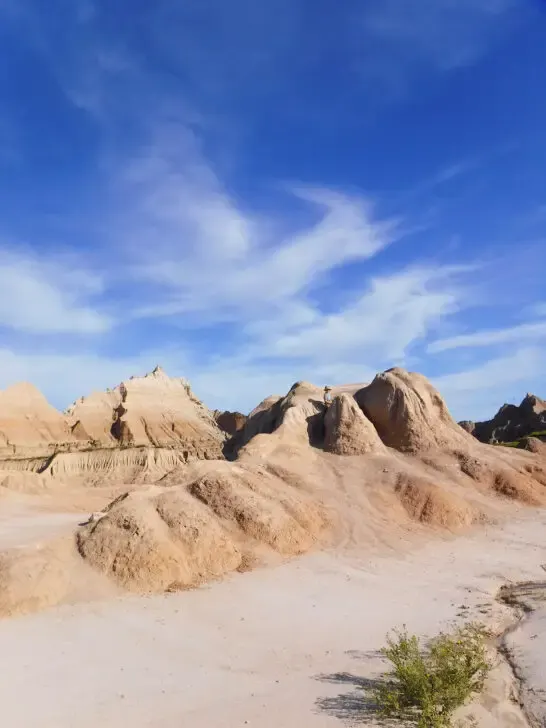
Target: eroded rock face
(119,431)
(427,503)
(347,429)
(513,422)
(30,426)
(230,422)
(409,414)
(298,417)
(151,411)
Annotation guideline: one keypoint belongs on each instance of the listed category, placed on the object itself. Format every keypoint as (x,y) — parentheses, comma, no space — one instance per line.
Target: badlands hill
(146,425)
(383,464)
(512,422)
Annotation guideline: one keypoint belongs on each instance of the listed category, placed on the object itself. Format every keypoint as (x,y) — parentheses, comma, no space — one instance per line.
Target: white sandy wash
(287,646)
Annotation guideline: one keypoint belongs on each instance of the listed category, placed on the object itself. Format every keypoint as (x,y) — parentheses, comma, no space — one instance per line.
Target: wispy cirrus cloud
(478,391)
(528,332)
(444,34)
(46,296)
(394,313)
(244,51)
(538,309)
(298,287)
(202,251)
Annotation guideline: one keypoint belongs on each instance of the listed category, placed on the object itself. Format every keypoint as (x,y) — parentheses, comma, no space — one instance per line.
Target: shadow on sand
(356,706)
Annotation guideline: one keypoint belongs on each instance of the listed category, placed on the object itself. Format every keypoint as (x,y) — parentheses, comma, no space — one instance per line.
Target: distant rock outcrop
(30,426)
(120,432)
(155,410)
(512,422)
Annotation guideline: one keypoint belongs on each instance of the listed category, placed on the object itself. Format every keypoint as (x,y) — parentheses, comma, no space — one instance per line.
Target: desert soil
(284,647)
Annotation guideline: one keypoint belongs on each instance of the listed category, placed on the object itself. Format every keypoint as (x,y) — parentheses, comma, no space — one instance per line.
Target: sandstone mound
(154,541)
(409,414)
(297,418)
(154,410)
(29,425)
(281,497)
(348,431)
(263,507)
(161,539)
(429,504)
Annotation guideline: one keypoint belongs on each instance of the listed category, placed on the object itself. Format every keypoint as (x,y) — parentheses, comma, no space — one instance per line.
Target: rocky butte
(301,474)
(512,422)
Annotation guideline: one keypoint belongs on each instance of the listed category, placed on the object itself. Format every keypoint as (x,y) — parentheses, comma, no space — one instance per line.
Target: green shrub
(425,687)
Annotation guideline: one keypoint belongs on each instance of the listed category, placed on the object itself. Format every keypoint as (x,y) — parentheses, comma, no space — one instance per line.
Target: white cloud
(529,332)
(478,392)
(204,252)
(538,309)
(47,296)
(395,312)
(190,252)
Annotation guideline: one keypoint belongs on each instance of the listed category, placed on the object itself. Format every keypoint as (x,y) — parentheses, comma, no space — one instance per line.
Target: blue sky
(254,193)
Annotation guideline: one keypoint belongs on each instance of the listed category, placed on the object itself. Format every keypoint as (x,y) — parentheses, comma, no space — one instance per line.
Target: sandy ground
(21,525)
(285,647)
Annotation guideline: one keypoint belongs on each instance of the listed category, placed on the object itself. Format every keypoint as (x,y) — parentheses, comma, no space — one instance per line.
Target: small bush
(425,687)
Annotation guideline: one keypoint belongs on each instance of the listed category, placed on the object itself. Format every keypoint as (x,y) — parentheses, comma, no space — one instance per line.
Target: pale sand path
(250,651)
(22,524)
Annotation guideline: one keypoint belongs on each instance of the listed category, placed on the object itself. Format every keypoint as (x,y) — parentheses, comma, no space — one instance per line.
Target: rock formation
(408,413)
(154,410)
(298,417)
(347,429)
(192,515)
(161,539)
(30,426)
(512,422)
(145,426)
(229,422)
